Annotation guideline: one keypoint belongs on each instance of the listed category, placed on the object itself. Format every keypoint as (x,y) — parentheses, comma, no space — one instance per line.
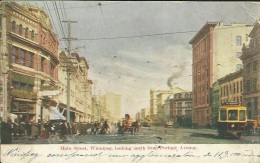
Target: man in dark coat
(6,133)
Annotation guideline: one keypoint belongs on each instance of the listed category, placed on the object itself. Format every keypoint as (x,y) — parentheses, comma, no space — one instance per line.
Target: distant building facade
(231,87)
(154,102)
(182,109)
(108,106)
(161,98)
(80,88)
(216,51)
(113,105)
(145,112)
(251,74)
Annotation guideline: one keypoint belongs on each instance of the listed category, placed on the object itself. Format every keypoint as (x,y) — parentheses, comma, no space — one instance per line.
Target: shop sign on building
(50,93)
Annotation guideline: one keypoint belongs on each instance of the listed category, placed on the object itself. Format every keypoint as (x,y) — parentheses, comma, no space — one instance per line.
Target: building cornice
(204,29)
(36,45)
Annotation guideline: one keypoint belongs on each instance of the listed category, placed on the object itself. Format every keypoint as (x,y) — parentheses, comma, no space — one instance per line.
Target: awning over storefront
(55,114)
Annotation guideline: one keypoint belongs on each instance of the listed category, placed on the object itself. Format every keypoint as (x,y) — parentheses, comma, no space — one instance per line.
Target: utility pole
(68,68)
(4,73)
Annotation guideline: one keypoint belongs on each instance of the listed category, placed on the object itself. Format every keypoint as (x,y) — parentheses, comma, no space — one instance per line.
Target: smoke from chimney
(176,75)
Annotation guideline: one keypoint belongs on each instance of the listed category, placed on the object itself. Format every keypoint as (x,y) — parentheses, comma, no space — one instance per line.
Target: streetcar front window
(223,115)
(242,114)
(232,115)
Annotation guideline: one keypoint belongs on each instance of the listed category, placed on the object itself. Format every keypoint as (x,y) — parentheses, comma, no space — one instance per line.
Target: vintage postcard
(122,81)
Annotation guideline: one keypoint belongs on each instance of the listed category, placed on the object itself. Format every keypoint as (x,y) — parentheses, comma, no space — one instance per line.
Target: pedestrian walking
(35,131)
(46,129)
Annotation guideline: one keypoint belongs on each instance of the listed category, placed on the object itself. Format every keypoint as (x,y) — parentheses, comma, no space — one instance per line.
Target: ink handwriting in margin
(32,155)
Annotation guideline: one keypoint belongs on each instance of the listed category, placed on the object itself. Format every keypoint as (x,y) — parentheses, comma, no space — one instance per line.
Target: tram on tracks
(232,120)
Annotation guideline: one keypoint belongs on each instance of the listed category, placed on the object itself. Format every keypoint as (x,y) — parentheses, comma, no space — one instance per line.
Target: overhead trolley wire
(50,15)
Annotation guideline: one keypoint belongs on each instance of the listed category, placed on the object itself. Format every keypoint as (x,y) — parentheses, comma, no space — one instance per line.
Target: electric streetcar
(232,120)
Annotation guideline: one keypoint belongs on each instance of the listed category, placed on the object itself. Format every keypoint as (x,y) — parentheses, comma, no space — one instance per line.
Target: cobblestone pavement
(148,135)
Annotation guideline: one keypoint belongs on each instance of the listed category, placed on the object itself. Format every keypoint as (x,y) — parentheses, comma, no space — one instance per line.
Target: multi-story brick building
(216,52)
(30,54)
(182,108)
(251,74)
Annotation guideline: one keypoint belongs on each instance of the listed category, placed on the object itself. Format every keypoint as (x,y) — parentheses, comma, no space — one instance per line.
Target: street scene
(152,135)
(116,72)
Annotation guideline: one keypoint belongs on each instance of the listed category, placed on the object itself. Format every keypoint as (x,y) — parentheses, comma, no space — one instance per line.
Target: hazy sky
(129,65)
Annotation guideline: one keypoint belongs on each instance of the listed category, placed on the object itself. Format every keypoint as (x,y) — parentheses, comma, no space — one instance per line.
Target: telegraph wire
(135,36)
(63,13)
(59,20)
(50,15)
(58,16)
(148,35)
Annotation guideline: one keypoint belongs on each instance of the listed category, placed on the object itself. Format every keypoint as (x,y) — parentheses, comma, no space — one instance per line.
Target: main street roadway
(150,135)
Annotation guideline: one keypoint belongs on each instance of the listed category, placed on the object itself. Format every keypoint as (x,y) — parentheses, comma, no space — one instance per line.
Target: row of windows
(236,87)
(201,100)
(202,88)
(26,58)
(22,32)
(22,57)
(31,35)
(201,48)
(22,86)
(179,104)
(179,95)
(187,112)
(202,75)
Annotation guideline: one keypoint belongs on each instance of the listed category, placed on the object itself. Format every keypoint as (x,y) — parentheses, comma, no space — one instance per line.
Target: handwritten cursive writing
(31,155)
(75,154)
(17,153)
(139,157)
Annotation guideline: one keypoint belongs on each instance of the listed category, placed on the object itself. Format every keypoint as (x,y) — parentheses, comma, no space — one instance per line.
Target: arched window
(20,29)
(32,35)
(26,32)
(13,26)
